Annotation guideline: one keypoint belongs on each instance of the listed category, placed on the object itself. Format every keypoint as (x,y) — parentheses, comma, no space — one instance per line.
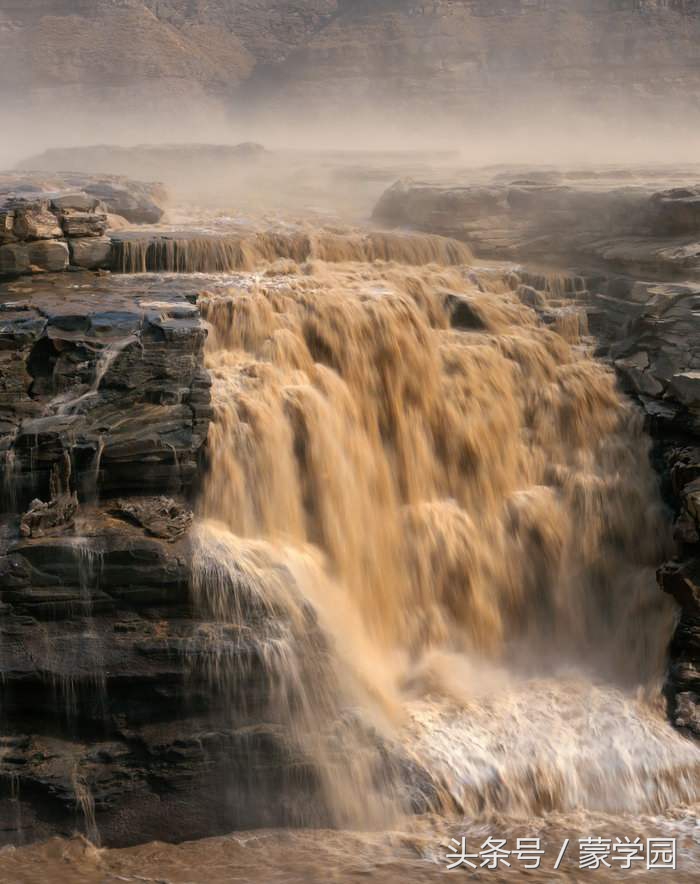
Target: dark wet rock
(463,313)
(159,516)
(122,390)
(687,711)
(685,386)
(106,685)
(104,666)
(681,579)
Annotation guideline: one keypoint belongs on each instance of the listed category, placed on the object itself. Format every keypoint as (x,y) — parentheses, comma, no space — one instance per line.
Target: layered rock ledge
(639,227)
(104,409)
(49,224)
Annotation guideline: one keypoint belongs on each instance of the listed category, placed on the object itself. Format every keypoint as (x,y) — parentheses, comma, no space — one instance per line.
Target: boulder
(133,200)
(91,252)
(76,223)
(35,221)
(675,211)
(81,202)
(116,222)
(48,255)
(685,386)
(463,313)
(14,259)
(41,256)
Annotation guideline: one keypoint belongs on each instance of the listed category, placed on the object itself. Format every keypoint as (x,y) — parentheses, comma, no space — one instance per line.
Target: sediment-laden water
(439,518)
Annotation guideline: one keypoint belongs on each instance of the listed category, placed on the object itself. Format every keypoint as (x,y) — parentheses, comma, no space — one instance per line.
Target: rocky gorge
(141,692)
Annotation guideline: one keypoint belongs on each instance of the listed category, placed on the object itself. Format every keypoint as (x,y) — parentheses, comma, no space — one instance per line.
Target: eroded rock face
(75,223)
(44,518)
(159,516)
(98,635)
(659,355)
(122,391)
(637,228)
(461,54)
(103,687)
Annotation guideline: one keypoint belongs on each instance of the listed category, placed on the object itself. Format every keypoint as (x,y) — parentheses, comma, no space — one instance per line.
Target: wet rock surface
(101,395)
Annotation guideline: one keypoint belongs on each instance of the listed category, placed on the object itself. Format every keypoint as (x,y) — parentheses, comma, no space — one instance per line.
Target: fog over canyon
(349,440)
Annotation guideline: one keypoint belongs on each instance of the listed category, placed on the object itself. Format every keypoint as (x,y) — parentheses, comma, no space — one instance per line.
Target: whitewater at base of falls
(450,509)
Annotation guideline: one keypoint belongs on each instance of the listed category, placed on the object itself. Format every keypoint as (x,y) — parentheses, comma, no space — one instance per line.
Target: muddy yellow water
(448,513)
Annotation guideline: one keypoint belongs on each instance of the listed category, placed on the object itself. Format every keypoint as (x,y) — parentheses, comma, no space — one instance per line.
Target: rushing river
(439,517)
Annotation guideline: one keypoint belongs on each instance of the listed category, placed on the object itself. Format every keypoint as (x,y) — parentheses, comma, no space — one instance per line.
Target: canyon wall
(459,53)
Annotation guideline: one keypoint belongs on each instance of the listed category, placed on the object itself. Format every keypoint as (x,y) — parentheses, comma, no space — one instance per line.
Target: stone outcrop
(639,228)
(50,223)
(104,409)
(93,253)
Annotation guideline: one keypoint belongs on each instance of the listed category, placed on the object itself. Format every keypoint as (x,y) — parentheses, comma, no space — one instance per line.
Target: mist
(349,438)
(527,130)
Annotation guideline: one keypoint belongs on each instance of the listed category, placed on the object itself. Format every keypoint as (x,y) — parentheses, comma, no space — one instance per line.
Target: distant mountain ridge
(350,50)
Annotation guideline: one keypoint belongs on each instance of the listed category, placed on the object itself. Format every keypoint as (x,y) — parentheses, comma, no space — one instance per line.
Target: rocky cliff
(453,52)
(103,397)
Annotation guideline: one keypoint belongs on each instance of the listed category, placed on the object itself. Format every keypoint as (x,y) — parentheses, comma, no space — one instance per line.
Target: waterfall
(199,253)
(445,540)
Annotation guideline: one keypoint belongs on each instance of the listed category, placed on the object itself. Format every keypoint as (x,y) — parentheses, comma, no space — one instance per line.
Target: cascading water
(444,539)
(199,252)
